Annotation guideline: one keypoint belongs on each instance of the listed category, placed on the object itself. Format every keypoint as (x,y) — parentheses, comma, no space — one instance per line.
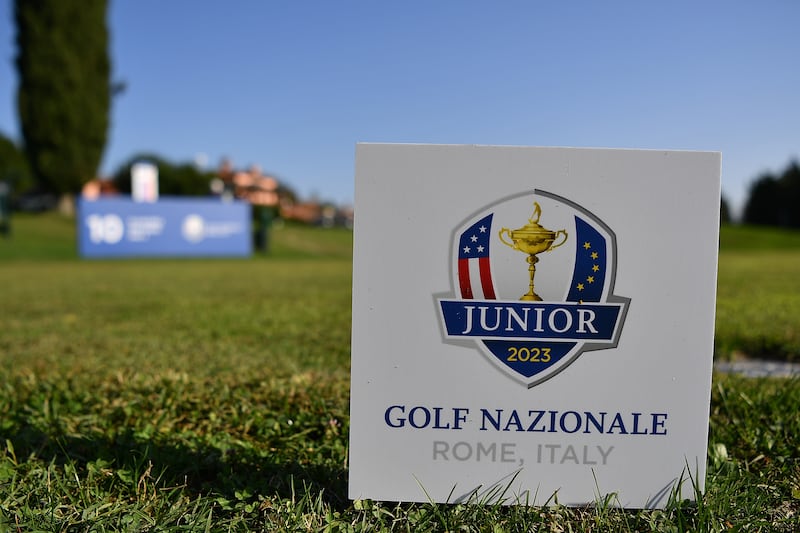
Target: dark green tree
(775,200)
(13,166)
(173,179)
(724,211)
(763,202)
(790,185)
(64,91)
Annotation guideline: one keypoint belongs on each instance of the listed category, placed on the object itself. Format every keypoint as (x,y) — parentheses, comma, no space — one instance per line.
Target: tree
(790,184)
(763,201)
(724,211)
(180,180)
(775,200)
(64,89)
(13,166)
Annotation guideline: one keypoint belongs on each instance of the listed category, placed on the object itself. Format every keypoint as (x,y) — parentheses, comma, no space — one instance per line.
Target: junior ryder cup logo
(565,277)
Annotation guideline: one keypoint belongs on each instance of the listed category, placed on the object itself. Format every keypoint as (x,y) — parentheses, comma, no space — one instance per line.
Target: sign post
(535,323)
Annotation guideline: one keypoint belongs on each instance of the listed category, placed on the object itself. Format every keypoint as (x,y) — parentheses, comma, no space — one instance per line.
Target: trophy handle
(507,243)
(562,232)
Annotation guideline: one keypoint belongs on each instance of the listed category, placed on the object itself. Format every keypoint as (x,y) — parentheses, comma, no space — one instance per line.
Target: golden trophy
(533,239)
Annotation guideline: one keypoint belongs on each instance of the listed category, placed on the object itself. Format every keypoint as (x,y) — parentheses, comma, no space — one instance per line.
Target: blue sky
(294,85)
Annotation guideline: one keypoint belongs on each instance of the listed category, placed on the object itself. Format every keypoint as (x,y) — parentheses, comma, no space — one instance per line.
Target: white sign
(535,323)
(144,182)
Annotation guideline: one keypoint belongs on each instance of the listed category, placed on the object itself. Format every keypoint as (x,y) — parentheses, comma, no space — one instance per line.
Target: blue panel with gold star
(588,278)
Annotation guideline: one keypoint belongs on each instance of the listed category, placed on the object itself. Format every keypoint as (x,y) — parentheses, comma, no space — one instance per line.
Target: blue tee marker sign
(169,227)
(520,323)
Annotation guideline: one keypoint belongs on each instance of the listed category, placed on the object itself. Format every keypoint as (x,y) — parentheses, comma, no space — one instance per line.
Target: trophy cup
(533,239)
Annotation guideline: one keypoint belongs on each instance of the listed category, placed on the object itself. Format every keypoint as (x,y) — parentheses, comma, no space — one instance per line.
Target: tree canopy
(173,179)
(13,165)
(775,200)
(64,89)
(724,211)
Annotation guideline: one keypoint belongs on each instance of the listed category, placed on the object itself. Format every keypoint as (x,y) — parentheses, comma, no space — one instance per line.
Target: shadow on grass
(232,475)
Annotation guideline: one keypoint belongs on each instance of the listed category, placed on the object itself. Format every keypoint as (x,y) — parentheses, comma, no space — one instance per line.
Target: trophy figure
(533,239)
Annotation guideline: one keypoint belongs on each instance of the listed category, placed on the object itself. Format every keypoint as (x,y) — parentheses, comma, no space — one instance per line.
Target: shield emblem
(532,285)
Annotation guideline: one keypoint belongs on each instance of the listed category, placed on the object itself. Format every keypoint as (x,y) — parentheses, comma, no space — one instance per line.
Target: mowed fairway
(758,304)
(213,395)
(202,318)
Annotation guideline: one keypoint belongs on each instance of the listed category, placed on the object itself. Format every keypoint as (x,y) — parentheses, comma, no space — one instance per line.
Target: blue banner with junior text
(495,319)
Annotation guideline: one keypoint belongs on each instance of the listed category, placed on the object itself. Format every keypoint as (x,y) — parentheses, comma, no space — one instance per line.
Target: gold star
(587,245)
(595,268)
(590,279)
(580,286)
(594,255)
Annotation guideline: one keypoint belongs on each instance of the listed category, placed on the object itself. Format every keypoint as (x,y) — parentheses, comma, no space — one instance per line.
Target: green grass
(755,238)
(758,305)
(39,237)
(51,236)
(212,395)
(758,294)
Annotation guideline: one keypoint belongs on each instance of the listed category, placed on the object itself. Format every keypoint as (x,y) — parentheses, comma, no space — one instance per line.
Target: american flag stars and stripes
(474,268)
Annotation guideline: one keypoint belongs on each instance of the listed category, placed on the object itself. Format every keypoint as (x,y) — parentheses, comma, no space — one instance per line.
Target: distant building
(94,189)
(252,185)
(306,212)
(260,189)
